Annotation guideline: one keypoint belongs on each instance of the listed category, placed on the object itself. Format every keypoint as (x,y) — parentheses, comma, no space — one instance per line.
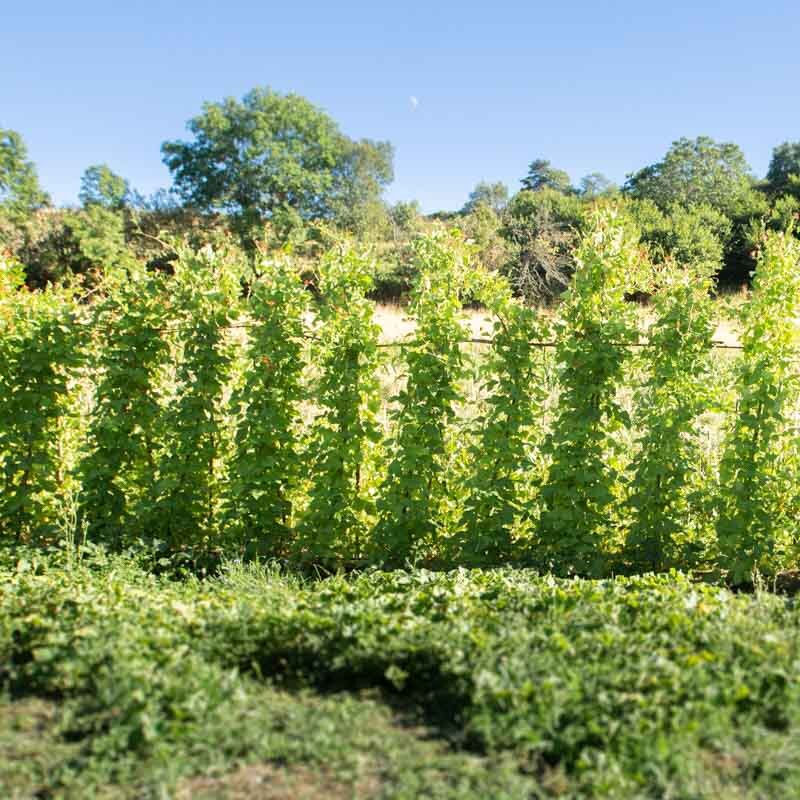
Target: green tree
(359,179)
(20,192)
(783,175)
(595,184)
(541,229)
(493,195)
(696,234)
(696,171)
(542,175)
(276,157)
(103,187)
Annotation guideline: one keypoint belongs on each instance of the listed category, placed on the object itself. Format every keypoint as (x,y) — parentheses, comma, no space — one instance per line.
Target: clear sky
(592,85)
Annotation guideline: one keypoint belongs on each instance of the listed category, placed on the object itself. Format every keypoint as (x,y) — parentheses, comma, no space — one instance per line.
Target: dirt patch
(273,782)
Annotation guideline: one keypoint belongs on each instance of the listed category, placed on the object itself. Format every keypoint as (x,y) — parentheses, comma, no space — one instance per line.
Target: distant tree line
(272,169)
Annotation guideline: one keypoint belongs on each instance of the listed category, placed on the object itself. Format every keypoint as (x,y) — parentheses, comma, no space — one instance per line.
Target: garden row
(202,418)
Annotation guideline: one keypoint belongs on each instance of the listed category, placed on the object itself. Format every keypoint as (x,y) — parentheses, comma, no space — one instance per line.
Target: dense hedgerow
(247,418)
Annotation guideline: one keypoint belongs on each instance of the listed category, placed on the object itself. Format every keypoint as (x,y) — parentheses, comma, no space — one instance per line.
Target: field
(500,683)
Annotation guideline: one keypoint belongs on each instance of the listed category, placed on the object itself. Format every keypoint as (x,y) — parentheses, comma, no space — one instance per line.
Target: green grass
(461,684)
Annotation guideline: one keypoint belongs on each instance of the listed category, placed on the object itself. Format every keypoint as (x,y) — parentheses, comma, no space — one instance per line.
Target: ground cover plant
(410,683)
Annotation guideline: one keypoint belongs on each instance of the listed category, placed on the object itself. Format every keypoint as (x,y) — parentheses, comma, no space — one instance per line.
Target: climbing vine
(345,431)
(119,467)
(502,456)
(265,462)
(40,354)
(758,505)
(185,512)
(416,483)
(668,489)
(583,484)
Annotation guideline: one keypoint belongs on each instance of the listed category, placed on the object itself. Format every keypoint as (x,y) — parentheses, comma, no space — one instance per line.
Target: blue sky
(589,85)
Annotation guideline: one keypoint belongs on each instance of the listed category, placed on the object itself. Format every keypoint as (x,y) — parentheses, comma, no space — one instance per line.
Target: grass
(503,684)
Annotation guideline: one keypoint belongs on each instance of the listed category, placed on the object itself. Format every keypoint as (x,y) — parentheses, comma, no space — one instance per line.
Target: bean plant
(668,491)
(416,483)
(265,463)
(118,470)
(583,485)
(40,354)
(188,492)
(758,501)
(345,430)
(502,456)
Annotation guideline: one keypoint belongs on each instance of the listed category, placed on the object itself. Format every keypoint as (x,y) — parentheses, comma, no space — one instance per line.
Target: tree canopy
(696,171)
(271,154)
(493,195)
(783,175)
(542,175)
(101,186)
(595,184)
(20,192)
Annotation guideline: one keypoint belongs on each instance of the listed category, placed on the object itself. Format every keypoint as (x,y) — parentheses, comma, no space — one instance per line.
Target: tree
(696,234)
(696,171)
(783,175)
(364,170)
(102,187)
(541,175)
(595,184)
(493,195)
(541,229)
(274,155)
(20,192)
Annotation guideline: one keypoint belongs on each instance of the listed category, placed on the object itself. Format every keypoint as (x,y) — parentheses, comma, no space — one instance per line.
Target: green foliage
(667,520)
(783,174)
(542,175)
(266,461)
(274,155)
(757,526)
(541,229)
(20,193)
(492,195)
(101,186)
(415,486)
(40,353)
(501,456)
(99,234)
(595,185)
(12,276)
(582,487)
(185,509)
(694,172)
(519,686)
(696,234)
(345,430)
(118,469)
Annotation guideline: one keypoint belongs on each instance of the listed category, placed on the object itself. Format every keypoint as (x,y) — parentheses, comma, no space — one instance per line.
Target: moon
(414,102)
